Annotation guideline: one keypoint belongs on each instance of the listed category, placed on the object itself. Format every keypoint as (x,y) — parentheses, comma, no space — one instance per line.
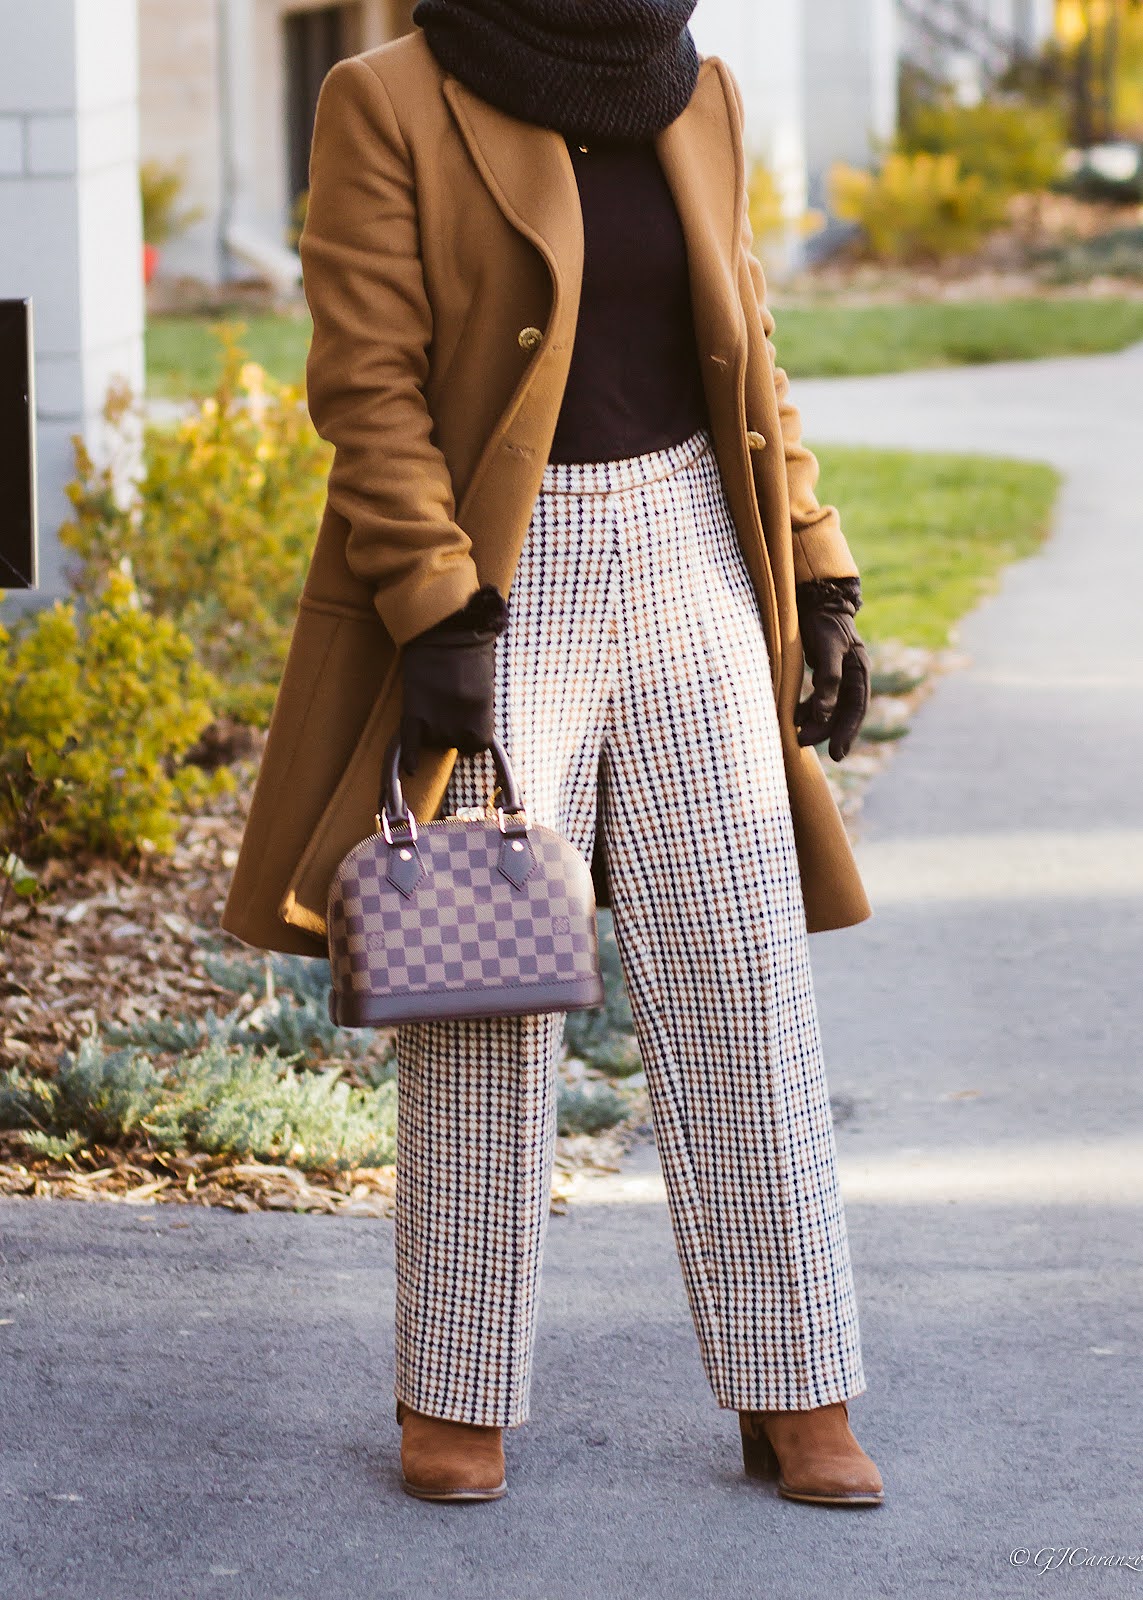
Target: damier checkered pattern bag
(468,916)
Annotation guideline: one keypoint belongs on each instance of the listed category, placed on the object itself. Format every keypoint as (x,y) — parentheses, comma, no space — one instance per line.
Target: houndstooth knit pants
(635,652)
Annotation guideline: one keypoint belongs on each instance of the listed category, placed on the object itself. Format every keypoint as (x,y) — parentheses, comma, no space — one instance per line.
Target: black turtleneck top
(635,383)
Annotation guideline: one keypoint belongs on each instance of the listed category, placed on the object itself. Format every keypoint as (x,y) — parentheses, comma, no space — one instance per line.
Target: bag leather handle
(391,801)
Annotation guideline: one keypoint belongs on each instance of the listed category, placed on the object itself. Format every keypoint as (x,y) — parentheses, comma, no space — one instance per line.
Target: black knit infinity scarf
(615,69)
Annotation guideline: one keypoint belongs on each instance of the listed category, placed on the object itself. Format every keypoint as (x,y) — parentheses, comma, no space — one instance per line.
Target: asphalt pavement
(196,1403)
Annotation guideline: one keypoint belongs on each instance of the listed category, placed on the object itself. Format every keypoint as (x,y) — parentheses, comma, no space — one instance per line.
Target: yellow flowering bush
(1013,147)
(98,704)
(220,526)
(768,218)
(916,206)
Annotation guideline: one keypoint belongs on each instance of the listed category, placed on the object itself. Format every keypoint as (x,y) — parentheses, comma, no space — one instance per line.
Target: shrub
(305,977)
(1013,147)
(219,528)
(916,207)
(1115,254)
(102,1097)
(160,189)
(97,706)
(1129,82)
(219,1101)
(768,218)
(298,1028)
(292,1010)
(17,882)
(604,1036)
(589,1108)
(177,1035)
(257,1108)
(289,1016)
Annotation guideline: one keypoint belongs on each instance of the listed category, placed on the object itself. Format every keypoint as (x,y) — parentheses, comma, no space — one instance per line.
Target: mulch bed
(143,1177)
(106,943)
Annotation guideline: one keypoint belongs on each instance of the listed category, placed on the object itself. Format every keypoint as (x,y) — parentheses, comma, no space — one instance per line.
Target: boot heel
(758,1455)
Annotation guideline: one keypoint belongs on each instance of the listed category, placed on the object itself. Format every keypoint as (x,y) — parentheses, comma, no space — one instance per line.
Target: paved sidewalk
(197,1404)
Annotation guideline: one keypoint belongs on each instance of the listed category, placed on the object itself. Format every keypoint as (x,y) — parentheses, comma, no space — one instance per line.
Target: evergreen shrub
(238,1103)
(589,1108)
(604,1036)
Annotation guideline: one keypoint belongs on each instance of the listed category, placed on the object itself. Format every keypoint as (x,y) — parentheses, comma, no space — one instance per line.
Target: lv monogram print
(465,926)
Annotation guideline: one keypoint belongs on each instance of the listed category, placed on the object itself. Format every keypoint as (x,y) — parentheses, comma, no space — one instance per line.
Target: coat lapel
(705,172)
(528,171)
(529,174)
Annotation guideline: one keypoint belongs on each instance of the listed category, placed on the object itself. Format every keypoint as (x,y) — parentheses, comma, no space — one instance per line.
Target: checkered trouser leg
(634,679)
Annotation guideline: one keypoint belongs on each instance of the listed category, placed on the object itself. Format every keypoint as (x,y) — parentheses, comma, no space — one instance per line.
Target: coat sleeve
(368,361)
(820,548)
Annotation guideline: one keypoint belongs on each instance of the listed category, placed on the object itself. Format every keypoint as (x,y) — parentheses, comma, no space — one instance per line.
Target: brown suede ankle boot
(443,1460)
(813,1454)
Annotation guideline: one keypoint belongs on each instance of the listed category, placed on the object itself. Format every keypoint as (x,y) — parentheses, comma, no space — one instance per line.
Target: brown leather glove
(448,680)
(839,661)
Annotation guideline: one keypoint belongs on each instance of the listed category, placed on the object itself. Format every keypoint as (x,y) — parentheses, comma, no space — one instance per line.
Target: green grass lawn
(829,341)
(183,352)
(931,532)
(813,342)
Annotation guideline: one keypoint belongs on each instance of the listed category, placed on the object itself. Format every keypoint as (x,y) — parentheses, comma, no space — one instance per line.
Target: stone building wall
(180,111)
(70,230)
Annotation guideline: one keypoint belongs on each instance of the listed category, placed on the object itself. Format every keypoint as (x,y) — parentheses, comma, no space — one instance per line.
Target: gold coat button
(756,441)
(530,338)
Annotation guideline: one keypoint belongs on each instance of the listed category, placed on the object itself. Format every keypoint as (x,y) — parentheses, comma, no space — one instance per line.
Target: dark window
(315,42)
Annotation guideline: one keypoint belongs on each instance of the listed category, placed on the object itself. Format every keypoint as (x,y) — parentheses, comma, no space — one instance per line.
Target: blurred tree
(1093,67)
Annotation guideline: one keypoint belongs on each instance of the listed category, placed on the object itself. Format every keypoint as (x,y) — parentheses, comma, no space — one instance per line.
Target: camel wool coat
(443,258)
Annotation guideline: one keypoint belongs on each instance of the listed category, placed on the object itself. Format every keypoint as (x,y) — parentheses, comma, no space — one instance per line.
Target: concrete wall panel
(107,60)
(39,256)
(11,146)
(180,116)
(38,58)
(52,146)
